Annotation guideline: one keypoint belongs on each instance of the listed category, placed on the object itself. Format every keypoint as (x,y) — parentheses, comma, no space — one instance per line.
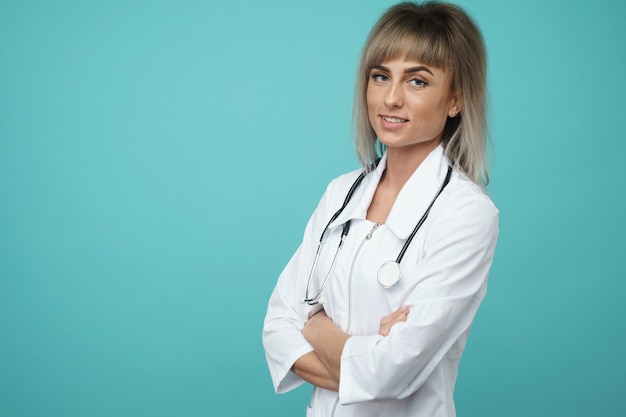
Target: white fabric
(412,371)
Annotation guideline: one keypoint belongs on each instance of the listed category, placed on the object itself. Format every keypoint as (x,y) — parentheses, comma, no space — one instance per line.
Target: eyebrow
(406,71)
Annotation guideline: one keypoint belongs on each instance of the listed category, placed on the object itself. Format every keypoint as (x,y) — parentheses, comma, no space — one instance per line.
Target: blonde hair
(444,36)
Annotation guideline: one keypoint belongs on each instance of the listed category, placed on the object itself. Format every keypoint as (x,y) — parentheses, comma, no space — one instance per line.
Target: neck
(402,163)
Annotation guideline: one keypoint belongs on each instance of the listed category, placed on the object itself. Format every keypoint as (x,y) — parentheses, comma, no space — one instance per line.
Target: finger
(403,309)
(400,315)
(385,321)
(396,316)
(399,319)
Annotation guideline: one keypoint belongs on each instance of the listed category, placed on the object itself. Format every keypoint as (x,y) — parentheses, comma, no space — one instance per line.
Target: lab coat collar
(411,203)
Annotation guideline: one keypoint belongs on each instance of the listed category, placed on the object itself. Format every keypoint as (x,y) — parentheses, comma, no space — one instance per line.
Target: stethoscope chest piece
(389,274)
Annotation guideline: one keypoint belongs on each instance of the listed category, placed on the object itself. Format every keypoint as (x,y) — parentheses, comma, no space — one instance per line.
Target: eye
(417,82)
(379,77)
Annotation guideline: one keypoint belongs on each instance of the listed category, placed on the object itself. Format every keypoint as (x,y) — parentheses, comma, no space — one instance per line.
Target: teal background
(159,160)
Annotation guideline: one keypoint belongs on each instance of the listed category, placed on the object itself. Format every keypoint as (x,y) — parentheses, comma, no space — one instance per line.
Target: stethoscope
(389,273)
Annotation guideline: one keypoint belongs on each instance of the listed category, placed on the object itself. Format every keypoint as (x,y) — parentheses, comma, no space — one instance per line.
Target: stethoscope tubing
(351,191)
(393,266)
(424,217)
(346,228)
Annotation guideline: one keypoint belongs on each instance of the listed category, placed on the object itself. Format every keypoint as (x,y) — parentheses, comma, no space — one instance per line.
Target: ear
(456,104)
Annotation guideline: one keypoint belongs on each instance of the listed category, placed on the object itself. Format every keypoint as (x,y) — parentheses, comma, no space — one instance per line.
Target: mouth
(391,119)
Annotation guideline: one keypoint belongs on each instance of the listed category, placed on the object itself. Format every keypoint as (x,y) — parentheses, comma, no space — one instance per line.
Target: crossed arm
(322,366)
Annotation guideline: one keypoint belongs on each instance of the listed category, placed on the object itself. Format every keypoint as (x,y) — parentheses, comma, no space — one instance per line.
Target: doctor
(375,306)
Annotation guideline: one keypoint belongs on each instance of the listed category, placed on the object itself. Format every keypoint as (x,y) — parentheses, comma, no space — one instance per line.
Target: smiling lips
(390,122)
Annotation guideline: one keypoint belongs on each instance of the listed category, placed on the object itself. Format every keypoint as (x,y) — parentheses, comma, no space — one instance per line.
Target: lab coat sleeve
(286,315)
(282,330)
(448,284)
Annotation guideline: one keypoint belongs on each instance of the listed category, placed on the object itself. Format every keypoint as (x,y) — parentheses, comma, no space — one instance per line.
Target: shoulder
(466,200)
(464,217)
(344,180)
(332,199)
(338,187)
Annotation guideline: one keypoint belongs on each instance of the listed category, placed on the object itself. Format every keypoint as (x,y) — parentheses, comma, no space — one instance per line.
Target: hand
(313,319)
(387,322)
(327,340)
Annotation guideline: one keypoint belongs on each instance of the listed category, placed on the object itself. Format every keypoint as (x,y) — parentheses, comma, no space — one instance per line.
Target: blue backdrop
(159,160)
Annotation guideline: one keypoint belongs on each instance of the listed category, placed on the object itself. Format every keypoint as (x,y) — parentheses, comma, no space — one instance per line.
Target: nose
(394,96)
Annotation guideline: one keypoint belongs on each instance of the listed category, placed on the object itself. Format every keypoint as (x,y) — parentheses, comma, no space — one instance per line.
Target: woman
(378,322)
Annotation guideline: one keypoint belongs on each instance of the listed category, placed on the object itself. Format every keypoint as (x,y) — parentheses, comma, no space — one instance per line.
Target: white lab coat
(412,371)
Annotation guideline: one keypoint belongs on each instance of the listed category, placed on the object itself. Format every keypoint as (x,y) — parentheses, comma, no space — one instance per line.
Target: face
(408,103)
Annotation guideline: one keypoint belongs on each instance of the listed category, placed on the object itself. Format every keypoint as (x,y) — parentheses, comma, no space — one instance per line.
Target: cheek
(442,112)
(437,119)
(434,110)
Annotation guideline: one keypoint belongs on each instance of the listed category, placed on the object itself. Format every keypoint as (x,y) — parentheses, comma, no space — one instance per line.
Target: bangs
(420,39)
